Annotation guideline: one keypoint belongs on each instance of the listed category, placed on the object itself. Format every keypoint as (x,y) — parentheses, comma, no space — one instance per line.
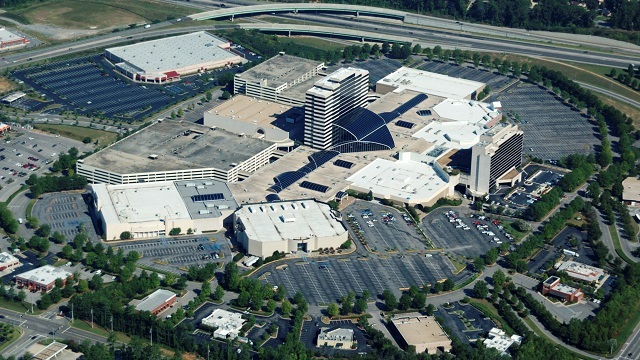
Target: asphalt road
(611,94)
(40,327)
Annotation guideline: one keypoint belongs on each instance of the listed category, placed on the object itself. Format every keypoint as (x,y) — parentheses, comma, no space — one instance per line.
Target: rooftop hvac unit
(208,183)
(201,212)
(200,187)
(222,207)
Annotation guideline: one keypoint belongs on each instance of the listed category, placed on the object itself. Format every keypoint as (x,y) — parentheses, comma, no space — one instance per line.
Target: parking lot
(385,229)
(326,280)
(537,180)
(66,213)
(90,86)
(450,237)
(465,321)
(171,254)
(24,146)
(544,120)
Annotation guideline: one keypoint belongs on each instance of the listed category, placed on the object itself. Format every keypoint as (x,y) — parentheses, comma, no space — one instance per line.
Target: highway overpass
(289,29)
(230,13)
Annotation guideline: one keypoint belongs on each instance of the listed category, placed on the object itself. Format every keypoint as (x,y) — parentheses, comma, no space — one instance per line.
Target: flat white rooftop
(460,123)
(6,35)
(134,203)
(406,179)
(45,274)
(173,53)
(430,83)
(6,258)
(326,86)
(289,220)
(581,271)
(224,320)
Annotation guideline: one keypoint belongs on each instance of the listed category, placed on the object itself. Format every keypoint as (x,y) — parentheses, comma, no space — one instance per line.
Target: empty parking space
(467,236)
(89,86)
(327,280)
(544,120)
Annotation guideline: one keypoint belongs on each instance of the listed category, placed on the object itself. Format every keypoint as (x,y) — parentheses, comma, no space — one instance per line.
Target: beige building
(152,209)
(335,337)
(300,225)
(631,191)
(8,261)
(423,332)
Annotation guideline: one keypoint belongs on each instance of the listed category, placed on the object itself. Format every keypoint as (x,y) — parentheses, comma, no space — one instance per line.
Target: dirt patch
(59,33)
(6,85)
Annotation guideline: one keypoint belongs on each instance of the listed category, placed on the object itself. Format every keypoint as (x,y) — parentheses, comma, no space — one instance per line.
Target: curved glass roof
(362,126)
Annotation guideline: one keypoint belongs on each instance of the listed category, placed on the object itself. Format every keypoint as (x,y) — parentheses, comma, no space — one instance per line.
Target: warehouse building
(168,59)
(283,79)
(172,150)
(422,332)
(552,286)
(227,324)
(10,40)
(42,279)
(153,209)
(287,226)
(157,302)
(8,261)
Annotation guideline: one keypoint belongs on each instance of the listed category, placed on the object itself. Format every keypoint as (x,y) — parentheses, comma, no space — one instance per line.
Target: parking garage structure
(172,151)
(168,59)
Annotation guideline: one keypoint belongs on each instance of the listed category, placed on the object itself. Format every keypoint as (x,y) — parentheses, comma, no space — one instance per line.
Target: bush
(86,140)
(125,235)
(175,231)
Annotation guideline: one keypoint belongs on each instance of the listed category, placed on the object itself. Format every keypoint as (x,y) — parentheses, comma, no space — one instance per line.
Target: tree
(491,256)
(448,285)
(225,95)
(405,302)
(175,231)
(67,252)
(96,282)
(58,238)
(419,301)
(44,231)
(87,140)
(208,95)
(231,277)
(271,305)
(125,235)
(499,278)
(83,285)
(360,305)
(286,307)
(437,287)
(333,310)
(480,289)
(390,300)
(385,47)
(218,293)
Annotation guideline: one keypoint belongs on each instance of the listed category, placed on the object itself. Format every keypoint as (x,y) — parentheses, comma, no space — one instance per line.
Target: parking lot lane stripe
(315,286)
(375,275)
(350,272)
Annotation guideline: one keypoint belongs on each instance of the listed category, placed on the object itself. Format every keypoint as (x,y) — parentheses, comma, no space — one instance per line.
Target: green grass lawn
(82,325)
(517,235)
(617,246)
(313,42)
(79,133)
(101,14)
(17,306)
(15,334)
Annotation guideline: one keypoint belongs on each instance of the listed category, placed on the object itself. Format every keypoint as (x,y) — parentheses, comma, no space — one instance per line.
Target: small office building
(42,279)
(422,332)
(157,302)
